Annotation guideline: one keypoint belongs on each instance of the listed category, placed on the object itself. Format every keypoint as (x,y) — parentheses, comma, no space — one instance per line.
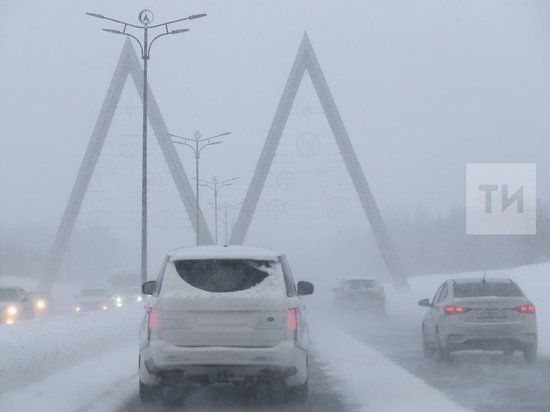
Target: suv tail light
(291,322)
(456,309)
(525,308)
(152,320)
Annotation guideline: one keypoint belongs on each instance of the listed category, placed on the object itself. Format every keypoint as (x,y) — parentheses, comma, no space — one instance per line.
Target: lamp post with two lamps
(145,17)
(197,144)
(215,185)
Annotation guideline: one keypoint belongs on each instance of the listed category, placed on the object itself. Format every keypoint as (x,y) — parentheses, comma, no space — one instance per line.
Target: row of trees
(441,245)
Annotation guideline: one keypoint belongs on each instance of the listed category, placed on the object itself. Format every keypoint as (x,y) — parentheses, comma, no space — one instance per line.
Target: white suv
(223,314)
(479,313)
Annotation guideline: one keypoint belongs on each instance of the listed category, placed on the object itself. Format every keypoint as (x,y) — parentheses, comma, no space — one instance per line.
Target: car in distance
(125,287)
(15,305)
(93,297)
(41,302)
(224,314)
(479,314)
(126,295)
(360,293)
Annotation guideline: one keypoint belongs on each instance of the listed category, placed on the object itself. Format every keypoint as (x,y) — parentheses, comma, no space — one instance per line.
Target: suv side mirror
(305,288)
(148,288)
(425,302)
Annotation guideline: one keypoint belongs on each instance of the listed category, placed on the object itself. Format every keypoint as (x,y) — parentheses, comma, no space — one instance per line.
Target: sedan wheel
(443,353)
(425,347)
(530,352)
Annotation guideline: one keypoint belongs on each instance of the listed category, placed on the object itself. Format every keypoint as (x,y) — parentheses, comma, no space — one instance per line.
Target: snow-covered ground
(36,348)
(89,362)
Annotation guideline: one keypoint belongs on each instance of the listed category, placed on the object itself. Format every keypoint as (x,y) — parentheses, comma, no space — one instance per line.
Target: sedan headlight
(118,299)
(12,310)
(40,304)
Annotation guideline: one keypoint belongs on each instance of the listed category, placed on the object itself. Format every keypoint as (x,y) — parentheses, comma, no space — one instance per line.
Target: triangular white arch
(307,60)
(128,65)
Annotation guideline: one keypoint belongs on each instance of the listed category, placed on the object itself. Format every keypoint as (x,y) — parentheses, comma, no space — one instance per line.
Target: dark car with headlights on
(15,305)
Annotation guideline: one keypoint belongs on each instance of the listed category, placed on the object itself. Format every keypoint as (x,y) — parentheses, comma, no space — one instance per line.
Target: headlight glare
(12,310)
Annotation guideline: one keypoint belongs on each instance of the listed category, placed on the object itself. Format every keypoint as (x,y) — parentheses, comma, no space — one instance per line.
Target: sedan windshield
(7,295)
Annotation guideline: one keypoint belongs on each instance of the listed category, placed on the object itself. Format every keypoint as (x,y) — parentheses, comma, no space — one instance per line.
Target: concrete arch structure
(306,60)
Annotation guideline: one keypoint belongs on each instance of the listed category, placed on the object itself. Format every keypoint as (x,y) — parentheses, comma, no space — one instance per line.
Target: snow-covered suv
(223,315)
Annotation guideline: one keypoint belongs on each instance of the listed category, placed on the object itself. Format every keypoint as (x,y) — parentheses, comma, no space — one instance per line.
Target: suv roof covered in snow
(224,252)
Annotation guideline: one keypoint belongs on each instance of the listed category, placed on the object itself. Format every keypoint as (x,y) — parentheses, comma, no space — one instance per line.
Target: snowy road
(322,397)
(482,381)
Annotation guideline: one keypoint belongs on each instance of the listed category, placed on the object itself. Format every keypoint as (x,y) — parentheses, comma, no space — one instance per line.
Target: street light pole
(146,18)
(197,145)
(216,186)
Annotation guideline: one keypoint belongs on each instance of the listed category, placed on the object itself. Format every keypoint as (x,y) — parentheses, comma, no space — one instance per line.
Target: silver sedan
(479,314)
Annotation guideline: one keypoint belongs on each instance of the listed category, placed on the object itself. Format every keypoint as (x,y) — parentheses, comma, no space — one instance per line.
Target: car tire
(443,353)
(426,349)
(170,395)
(146,392)
(298,393)
(530,352)
(508,353)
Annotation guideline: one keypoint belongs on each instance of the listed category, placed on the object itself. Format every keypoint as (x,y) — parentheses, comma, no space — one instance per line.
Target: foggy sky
(424,87)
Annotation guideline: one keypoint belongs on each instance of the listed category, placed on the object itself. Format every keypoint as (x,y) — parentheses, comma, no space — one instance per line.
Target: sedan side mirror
(305,288)
(148,288)
(425,302)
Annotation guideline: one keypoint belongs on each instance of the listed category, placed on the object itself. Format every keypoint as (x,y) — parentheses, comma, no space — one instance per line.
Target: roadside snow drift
(34,349)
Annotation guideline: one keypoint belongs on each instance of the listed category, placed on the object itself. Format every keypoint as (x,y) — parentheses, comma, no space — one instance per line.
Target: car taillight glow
(152,320)
(455,309)
(291,322)
(525,308)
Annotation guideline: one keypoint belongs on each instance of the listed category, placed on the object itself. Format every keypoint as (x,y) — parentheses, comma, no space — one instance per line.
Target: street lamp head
(146,17)
(196,16)
(215,143)
(99,16)
(179,31)
(113,31)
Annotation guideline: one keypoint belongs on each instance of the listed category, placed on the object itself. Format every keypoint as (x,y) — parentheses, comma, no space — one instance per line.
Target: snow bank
(370,380)
(33,349)
(94,386)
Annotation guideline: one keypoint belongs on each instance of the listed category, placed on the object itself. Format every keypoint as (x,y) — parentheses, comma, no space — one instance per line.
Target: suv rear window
(224,275)
(479,289)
